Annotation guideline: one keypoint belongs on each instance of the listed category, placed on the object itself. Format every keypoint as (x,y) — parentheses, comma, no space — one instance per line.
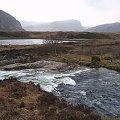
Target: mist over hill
(9,23)
(66,25)
(111,27)
(69,25)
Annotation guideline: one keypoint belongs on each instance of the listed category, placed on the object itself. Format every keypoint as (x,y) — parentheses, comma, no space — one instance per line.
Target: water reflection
(21,42)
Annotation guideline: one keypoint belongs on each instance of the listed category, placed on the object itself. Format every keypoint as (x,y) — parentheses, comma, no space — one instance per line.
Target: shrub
(95,61)
(21,105)
(47,99)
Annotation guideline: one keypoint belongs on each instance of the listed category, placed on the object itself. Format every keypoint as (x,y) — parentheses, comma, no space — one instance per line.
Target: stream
(96,88)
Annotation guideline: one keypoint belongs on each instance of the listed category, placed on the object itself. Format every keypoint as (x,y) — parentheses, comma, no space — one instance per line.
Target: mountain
(9,23)
(27,23)
(111,27)
(66,25)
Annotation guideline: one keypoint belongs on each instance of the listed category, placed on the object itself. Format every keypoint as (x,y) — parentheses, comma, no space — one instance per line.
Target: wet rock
(7,62)
(50,65)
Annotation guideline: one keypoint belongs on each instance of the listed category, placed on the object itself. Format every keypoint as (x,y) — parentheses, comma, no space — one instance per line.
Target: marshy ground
(28,102)
(72,53)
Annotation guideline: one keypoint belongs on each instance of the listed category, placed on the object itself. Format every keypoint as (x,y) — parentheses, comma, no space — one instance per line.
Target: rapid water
(48,80)
(99,89)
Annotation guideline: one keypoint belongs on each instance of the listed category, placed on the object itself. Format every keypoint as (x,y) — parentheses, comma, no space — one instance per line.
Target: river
(97,88)
(29,41)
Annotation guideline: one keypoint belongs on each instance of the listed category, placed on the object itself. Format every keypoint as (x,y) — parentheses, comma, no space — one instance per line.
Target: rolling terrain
(9,23)
(111,27)
(66,25)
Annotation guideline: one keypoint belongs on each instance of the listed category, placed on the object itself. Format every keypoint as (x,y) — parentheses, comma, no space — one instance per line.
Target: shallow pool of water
(21,41)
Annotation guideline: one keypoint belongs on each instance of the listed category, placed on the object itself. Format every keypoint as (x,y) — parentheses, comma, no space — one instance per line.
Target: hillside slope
(111,27)
(66,25)
(9,23)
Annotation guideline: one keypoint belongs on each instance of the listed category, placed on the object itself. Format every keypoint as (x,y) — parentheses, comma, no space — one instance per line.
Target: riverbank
(27,101)
(48,65)
(72,53)
(69,55)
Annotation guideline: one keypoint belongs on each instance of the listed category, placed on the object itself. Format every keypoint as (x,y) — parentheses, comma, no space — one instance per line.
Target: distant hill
(27,23)
(67,25)
(9,23)
(111,27)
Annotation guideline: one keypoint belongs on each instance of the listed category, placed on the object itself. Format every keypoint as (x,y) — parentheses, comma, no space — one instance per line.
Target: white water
(97,88)
(47,79)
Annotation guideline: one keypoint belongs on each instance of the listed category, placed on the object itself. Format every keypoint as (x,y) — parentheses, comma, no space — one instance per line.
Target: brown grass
(35,104)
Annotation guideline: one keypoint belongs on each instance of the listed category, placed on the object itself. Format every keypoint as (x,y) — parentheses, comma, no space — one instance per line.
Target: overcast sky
(88,12)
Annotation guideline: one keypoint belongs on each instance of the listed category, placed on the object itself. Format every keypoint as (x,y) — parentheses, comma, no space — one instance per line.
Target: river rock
(50,65)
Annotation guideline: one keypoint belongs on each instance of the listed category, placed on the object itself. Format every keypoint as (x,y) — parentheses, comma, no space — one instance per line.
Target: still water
(29,41)
(21,42)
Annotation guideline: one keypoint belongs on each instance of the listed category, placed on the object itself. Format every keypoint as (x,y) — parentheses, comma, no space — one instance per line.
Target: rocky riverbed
(97,88)
(50,65)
